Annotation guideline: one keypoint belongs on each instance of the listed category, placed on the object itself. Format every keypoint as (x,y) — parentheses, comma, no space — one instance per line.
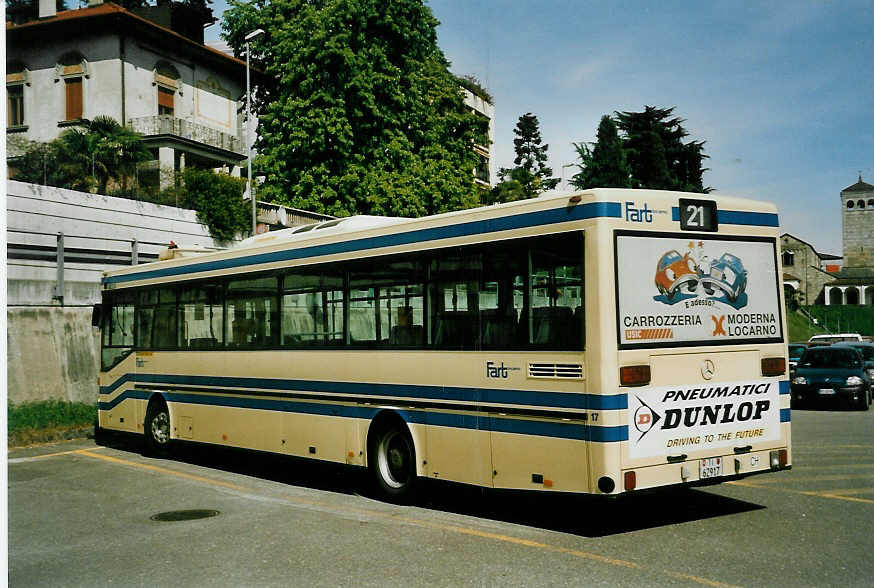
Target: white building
(483,172)
(74,65)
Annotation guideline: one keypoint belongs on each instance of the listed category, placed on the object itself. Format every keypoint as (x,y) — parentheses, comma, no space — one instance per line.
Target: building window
(166,100)
(860,204)
(15,106)
(72,69)
(850,204)
(788,258)
(73,98)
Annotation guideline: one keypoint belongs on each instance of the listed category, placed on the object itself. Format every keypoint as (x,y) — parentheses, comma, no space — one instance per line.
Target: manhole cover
(184,515)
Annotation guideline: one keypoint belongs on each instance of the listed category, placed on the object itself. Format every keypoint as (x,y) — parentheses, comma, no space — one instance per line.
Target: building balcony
(168,129)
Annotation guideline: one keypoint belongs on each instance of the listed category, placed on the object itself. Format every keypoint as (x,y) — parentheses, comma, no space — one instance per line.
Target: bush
(217,198)
(49,414)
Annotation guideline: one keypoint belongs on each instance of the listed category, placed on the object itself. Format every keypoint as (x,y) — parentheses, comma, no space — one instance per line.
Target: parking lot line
(161,470)
(45,455)
(844,491)
(821,494)
(413,521)
(834,466)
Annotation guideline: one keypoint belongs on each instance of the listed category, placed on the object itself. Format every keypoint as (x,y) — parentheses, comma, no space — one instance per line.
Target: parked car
(833,338)
(867,351)
(728,274)
(832,373)
(796,350)
(674,271)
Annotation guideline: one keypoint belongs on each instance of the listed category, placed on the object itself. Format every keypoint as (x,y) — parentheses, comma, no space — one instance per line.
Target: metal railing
(61,253)
(165,124)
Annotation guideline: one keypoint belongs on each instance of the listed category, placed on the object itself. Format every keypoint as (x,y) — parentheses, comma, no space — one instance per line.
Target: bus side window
(201,317)
(557,293)
(454,298)
(504,266)
(386,303)
(312,308)
(252,313)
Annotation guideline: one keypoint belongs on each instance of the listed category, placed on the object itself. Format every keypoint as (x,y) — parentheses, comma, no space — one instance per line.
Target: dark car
(867,351)
(832,373)
(796,350)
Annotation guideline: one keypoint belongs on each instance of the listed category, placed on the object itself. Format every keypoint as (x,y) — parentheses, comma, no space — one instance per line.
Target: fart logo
(502,371)
(638,215)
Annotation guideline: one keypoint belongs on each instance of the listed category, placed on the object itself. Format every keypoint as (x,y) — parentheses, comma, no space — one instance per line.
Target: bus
(605,341)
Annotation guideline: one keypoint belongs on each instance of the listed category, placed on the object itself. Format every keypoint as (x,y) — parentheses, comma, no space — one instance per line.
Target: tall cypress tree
(657,155)
(531,176)
(604,165)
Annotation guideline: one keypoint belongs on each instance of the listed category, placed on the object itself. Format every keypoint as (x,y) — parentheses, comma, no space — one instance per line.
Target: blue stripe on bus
(738,217)
(459,394)
(785,415)
(486,423)
(784,387)
(506,223)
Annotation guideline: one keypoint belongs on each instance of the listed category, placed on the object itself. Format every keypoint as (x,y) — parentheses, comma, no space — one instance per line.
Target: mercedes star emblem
(707,369)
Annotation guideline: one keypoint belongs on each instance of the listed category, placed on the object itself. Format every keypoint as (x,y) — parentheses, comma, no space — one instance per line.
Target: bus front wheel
(393,462)
(157,428)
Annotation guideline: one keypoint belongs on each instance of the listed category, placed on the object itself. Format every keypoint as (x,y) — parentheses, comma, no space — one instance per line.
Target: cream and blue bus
(605,341)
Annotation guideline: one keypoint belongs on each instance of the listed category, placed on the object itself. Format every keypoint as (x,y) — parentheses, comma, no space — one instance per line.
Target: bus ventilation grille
(573,371)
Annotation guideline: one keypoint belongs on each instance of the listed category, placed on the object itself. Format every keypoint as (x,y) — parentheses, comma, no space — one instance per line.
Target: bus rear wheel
(157,428)
(393,462)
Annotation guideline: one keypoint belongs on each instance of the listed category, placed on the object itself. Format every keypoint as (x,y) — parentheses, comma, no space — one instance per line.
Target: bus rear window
(696,289)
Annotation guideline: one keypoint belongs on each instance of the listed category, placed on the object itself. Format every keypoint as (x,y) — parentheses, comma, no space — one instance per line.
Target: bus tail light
(773,366)
(634,375)
(630,480)
(779,459)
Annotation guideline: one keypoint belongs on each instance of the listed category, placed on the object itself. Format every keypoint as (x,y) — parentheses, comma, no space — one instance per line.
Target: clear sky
(782,91)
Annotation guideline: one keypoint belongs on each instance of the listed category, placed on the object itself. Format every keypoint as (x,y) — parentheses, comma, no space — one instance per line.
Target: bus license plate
(825,391)
(711,467)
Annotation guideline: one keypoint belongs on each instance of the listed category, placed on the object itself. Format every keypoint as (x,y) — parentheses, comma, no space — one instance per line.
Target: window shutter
(165,97)
(74,98)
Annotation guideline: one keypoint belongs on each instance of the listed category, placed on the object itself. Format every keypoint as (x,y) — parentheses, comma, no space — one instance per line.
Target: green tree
(531,171)
(86,157)
(357,110)
(218,200)
(604,165)
(657,155)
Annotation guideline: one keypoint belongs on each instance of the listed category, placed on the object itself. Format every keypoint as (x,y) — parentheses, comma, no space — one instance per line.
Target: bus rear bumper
(705,471)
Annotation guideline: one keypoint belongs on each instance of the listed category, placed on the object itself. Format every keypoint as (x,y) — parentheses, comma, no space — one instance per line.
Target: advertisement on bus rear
(677,420)
(674,291)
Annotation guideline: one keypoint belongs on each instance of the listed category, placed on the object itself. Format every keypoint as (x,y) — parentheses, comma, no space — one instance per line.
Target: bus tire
(392,461)
(157,428)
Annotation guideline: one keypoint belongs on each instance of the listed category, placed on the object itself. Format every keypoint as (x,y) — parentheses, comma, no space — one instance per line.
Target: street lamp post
(248,38)
(563,167)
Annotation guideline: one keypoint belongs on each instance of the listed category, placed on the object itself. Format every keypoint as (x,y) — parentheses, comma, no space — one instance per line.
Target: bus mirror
(96,315)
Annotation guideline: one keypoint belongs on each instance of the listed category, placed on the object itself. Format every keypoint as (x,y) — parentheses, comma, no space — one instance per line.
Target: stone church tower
(857,220)
(854,284)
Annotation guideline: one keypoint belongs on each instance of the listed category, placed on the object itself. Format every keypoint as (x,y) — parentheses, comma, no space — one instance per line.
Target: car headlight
(799,380)
(854,381)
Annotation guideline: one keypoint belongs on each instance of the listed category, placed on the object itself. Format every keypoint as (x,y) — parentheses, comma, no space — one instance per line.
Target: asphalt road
(80,515)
